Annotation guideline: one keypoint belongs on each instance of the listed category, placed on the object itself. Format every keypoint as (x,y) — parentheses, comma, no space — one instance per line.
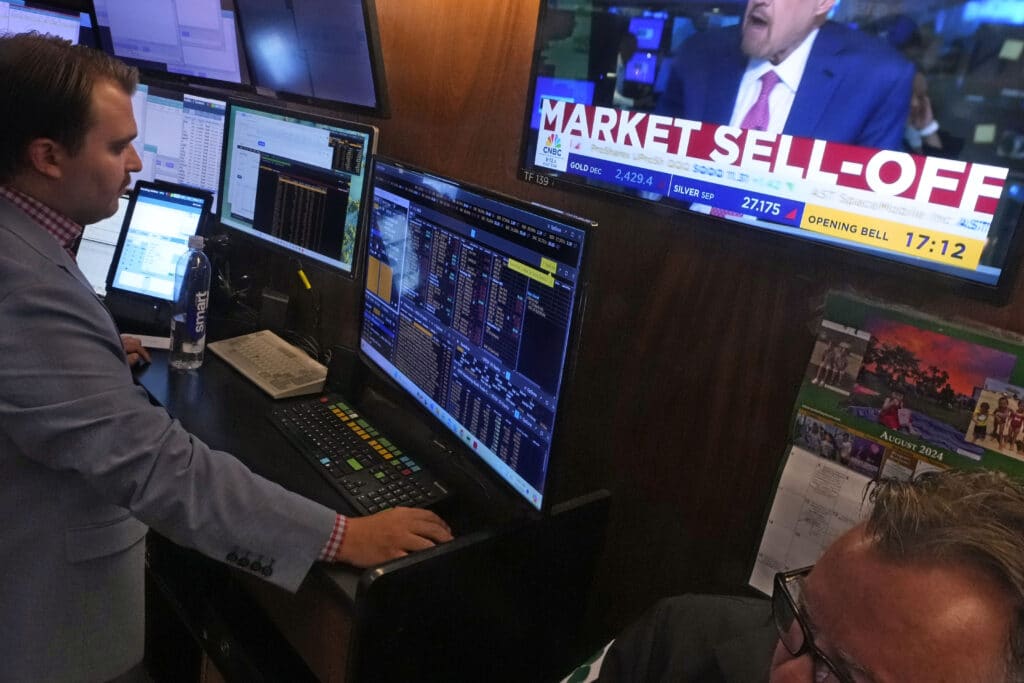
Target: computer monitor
(471,305)
(193,39)
(648,31)
(158,222)
(641,68)
(296,180)
(23,16)
(315,51)
(181,136)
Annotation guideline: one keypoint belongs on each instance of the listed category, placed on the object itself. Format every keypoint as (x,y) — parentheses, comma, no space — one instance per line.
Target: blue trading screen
(469,306)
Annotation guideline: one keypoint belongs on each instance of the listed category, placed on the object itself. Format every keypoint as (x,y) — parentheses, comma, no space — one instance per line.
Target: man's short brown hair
(47,91)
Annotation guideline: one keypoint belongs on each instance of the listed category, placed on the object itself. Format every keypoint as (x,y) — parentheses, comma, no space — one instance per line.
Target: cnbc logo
(553,145)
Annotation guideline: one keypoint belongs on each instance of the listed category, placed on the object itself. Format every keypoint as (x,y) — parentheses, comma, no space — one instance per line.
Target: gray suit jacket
(86,463)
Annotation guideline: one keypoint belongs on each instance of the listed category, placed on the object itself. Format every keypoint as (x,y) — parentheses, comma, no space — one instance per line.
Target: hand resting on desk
(134,349)
(389,535)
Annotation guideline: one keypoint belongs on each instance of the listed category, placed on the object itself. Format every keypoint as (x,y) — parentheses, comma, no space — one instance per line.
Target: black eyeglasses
(795,635)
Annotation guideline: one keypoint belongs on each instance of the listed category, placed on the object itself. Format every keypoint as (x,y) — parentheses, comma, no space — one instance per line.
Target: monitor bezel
(807,249)
(454,446)
(382,108)
(317,116)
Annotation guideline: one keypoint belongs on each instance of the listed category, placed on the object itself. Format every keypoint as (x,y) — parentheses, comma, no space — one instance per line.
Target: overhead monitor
(296,181)
(52,18)
(315,51)
(192,39)
(472,304)
(181,136)
(891,137)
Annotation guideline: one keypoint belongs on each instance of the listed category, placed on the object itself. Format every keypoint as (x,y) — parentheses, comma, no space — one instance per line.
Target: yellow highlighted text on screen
(531,273)
(932,245)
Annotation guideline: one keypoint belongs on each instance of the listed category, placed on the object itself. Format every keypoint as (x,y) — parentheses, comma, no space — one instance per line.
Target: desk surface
(505,587)
(229,413)
(218,405)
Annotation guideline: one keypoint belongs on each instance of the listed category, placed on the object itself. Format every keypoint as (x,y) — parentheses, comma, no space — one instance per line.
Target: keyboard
(272,364)
(369,471)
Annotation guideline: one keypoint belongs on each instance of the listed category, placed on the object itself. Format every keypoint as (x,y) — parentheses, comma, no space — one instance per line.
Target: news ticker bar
(931,245)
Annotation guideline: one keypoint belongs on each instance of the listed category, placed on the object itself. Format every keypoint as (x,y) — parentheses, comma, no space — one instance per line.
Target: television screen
(296,180)
(181,136)
(647,30)
(189,38)
(883,130)
(472,305)
(315,51)
(23,16)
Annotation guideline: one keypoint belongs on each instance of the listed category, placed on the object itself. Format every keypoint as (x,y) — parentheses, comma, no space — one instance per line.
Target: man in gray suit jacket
(86,462)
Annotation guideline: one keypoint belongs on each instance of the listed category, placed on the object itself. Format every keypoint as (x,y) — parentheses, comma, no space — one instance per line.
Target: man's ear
(46,156)
(823,7)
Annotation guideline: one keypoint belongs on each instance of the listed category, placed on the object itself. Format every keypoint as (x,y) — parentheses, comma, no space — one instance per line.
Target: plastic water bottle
(191,301)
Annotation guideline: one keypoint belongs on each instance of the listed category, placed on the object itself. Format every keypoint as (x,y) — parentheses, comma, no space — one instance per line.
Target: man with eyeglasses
(929,590)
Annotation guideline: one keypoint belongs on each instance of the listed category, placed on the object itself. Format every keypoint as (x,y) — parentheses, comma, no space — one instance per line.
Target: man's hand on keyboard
(390,534)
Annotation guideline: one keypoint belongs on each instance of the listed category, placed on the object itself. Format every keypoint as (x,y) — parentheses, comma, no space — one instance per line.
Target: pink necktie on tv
(757,116)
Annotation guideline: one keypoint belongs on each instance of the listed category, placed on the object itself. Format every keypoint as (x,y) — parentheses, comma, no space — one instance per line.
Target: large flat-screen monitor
(181,136)
(315,51)
(296,180)
(891,132)
(472,303)
(54,18)
(190,39)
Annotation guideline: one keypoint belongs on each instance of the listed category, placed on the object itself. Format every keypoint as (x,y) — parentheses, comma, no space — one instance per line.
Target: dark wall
(695,337)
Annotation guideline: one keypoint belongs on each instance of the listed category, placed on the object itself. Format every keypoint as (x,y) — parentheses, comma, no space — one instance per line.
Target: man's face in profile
(772,29)
(97,174)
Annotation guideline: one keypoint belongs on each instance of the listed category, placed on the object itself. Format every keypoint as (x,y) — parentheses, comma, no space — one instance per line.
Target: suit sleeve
(894,84)
(68,402)
(671,102)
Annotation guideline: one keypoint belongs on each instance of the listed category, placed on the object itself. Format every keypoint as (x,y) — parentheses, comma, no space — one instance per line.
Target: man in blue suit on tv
(787,69)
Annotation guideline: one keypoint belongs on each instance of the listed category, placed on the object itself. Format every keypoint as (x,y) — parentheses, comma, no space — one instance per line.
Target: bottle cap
(195,242)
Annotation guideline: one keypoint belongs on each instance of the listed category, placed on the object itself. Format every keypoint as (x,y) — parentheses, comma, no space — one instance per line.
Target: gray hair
(971,517)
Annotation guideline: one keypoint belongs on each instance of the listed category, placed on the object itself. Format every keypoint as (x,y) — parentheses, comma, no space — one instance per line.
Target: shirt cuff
(333,545)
